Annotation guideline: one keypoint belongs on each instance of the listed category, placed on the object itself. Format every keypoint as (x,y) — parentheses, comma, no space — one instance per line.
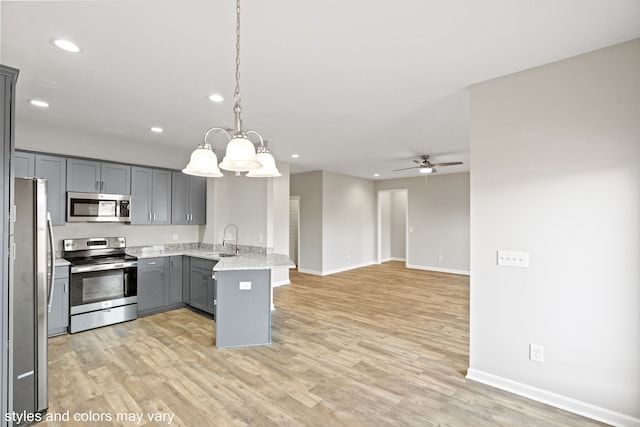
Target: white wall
(438,214)
(556,173)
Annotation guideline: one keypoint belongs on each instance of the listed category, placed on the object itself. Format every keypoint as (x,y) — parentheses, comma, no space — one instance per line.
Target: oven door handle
(103,267)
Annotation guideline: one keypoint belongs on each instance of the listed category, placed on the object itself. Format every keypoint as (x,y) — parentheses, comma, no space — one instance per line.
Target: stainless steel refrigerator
(30,288)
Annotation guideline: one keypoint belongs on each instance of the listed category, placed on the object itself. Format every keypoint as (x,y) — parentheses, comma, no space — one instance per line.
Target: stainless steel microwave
(93,207)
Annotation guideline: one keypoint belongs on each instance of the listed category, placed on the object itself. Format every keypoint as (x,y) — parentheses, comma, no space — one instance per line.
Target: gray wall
(349,222)
(556,173)
(438,215)
(398,225)
(308,186)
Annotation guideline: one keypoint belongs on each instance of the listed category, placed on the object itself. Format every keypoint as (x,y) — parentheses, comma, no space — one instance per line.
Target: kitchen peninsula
(235,289)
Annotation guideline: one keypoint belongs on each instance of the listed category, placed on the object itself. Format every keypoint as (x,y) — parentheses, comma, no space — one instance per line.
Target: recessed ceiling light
(39,103)
(376,174)
(215,97)
(66,45)
(156,129)
(295,156)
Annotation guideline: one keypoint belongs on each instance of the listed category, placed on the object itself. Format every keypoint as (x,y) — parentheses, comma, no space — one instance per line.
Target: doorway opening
(294,229)
(393,225)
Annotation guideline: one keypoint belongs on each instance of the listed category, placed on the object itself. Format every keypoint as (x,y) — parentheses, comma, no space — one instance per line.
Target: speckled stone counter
(243,261)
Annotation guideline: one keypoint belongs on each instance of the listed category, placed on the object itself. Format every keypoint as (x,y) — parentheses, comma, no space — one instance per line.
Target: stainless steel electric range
(103,282)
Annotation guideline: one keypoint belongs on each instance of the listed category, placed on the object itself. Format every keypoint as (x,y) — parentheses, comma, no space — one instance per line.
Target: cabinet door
(58,317)
(150,284)
(24,165)
(83,175)
(180,198)
(198,200)
(115,178)
(161,197)
(54,169)
(198,288)
(141,195)
(175,279)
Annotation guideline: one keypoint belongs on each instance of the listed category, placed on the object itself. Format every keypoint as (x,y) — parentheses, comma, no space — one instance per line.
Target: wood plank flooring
(377,346)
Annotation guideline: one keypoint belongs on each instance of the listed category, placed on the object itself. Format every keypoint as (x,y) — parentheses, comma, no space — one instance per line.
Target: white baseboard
(393,259)
(439,270)
(337,270)
(563,402)
(281,283)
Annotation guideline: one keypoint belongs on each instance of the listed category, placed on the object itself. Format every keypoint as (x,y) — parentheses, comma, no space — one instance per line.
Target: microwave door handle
(52,259)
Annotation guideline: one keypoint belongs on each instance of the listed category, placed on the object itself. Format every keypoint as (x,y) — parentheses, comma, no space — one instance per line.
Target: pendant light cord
(236,94)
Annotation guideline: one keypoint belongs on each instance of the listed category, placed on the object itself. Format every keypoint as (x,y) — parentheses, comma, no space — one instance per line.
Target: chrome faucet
(235,239)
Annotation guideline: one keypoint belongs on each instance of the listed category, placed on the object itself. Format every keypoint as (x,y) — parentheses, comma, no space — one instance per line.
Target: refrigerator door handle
(52,256)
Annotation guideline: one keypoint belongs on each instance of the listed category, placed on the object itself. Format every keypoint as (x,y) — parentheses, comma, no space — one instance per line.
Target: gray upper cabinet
(189,199)
(54,169)
(24,164)
(150,196)
(89,176)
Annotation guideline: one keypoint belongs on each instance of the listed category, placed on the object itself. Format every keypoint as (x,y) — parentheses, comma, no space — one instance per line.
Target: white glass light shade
(203,162)
(426,170)
(240,156)
(268,168)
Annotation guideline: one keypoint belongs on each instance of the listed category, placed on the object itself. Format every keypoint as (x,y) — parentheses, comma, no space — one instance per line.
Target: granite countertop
(61,262)
(243,261)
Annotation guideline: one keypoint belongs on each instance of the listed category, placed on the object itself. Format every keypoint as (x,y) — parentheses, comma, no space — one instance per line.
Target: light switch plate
(513,259)
(245,286)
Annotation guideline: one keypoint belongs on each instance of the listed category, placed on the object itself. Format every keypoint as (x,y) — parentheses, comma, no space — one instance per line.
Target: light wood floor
(377,346)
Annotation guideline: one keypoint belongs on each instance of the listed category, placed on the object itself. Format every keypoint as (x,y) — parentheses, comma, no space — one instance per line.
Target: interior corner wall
(279,234)
(398,225)
(555,172)
(438,214)
(308,186)
(349,211)
(385,226)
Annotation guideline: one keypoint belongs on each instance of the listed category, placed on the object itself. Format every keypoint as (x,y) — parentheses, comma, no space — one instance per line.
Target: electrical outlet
(175,237)
(513,259)
(440,257)
(536,353)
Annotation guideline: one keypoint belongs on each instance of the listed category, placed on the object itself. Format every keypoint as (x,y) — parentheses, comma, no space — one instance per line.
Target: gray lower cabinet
(58,319)
(89,176)
(151,285)
(202,285)
(150,196)
(175,280)
(54,169)
(159,284)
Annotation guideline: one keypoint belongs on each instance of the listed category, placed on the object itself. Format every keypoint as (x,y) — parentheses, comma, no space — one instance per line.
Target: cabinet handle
(97,185)
(162,275)
(154,216)
(65,288)
(151,263)
(101,185)
(187,215)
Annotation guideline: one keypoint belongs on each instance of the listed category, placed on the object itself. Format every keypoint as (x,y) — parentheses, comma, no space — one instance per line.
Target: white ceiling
(355,87)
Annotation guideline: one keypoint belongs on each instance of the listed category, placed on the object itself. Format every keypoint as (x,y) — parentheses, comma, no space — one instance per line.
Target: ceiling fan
(425,166)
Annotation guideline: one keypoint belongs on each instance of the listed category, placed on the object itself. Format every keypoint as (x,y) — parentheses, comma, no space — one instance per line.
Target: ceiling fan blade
(418,161)
(404,169)
(446,164)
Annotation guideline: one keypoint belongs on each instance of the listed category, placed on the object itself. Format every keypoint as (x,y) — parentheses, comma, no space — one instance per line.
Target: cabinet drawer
(150,263)
(206,264)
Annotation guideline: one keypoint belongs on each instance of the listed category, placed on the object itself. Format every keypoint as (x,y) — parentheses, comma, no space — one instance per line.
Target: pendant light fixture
(241,154)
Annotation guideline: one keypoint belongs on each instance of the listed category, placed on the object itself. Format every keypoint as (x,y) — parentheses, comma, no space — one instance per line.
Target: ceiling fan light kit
(241,154)
(426,167)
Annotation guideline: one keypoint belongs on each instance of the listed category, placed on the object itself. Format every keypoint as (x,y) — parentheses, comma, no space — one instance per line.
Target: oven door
(104,286)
